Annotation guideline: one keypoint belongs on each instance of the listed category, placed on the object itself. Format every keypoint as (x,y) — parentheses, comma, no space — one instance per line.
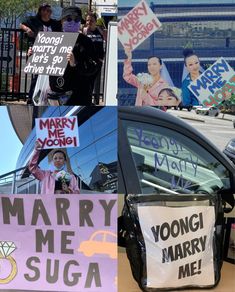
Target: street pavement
(217,129)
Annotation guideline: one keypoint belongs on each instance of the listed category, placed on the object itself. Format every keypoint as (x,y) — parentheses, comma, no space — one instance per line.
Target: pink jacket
(47,178)
(143,97)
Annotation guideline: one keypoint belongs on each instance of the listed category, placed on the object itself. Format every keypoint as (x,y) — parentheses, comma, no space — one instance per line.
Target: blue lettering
(219,68)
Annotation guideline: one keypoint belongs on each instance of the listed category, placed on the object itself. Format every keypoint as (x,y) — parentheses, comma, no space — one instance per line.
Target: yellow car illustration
(100,242)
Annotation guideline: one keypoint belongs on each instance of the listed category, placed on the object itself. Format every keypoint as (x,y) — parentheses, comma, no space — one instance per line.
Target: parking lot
(218,130)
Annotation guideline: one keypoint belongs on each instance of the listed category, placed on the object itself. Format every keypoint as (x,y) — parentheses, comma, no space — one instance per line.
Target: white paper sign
(137,25)
(179,245)
(61,132)
(214,84)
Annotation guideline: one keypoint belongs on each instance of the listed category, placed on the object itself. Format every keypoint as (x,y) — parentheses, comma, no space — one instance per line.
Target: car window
(168,161)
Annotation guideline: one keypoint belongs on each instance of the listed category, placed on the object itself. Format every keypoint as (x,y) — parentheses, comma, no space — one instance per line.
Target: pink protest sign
(61,132)
(137,26)
(58,243)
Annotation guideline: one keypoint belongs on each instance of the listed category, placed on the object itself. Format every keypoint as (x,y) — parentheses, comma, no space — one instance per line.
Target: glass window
(168,161)
(196,34)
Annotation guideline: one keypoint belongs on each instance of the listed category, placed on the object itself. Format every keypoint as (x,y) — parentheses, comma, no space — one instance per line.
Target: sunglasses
(72,17)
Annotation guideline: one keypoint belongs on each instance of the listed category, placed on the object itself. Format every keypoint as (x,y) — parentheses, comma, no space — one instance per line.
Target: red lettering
(59,142)
(52,133)
(44,124)
(232,80)
(61,133)
(210,102)
(58,123)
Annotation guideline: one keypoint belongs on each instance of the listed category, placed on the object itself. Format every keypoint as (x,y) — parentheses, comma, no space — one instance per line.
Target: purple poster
(58,242)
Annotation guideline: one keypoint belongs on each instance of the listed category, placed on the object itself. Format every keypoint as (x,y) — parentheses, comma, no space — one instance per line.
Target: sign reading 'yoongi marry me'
(137,26)
(179,245)
(215,84)
(58,243)
(50,52)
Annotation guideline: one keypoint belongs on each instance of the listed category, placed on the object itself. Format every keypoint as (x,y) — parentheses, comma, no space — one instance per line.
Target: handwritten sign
(214,84)
(179,245)
(61,132)
(58,243)
(172,161)
(137,25)
(50,52)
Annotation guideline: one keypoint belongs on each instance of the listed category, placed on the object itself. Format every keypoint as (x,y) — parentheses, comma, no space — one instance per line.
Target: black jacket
(86,67)
(36,24)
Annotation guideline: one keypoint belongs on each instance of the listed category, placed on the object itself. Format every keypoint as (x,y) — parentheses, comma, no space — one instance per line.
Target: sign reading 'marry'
(215,84)
(50,52)
(53,242)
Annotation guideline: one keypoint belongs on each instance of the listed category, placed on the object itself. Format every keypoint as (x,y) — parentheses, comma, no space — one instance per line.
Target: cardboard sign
(58,243)
(137,25)
(50,52)
(214,84)
(61,132)
(179,245)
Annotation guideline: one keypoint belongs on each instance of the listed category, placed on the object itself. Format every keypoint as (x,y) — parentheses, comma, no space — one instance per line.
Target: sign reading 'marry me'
(215,84)
(53,243)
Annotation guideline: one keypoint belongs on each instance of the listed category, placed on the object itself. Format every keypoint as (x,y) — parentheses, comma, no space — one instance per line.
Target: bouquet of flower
(63,176)
(145,79)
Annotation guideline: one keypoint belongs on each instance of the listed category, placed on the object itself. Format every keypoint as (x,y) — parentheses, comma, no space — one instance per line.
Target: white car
(208,111)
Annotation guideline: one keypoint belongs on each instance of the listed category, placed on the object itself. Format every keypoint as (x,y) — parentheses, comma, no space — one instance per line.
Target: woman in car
(57,180)
(168,97)
(148,88)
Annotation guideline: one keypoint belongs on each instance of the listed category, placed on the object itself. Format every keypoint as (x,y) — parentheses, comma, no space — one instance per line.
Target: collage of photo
(117,130)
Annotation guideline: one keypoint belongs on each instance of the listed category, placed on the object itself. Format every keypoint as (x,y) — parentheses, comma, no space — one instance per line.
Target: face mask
(71,26)
(52,167)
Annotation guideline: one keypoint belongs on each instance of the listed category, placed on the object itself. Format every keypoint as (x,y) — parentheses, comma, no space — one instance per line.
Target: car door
(161,153)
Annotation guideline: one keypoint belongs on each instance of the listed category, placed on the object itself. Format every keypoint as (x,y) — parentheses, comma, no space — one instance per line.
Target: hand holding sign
(128,53)
(71,59)
(37,145)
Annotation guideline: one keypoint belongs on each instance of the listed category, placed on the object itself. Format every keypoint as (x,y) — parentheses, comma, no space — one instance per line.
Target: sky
(129,3)
(10,145)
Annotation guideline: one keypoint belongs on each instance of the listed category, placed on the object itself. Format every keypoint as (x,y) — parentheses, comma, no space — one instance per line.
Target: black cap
(71,11)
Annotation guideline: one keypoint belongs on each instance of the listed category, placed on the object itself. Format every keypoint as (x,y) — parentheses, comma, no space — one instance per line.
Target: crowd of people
(83,74)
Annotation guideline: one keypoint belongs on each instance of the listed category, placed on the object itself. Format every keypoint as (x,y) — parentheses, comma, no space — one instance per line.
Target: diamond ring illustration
(6,249)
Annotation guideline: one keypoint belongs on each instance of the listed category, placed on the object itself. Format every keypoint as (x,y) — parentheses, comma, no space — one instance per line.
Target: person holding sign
(57,180)
(83,63)
(149,86)
(192,65)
